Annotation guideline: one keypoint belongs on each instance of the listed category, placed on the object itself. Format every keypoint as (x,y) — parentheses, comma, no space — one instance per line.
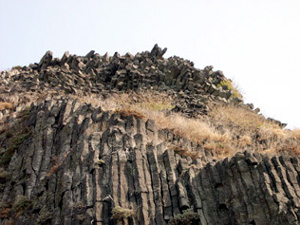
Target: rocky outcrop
(106,74)
(63,161)
(80,163)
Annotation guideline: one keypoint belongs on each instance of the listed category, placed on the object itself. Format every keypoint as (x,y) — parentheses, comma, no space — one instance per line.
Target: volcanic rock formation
(64,161)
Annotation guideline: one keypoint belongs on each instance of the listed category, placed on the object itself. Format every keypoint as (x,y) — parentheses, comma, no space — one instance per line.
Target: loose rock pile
(105,74)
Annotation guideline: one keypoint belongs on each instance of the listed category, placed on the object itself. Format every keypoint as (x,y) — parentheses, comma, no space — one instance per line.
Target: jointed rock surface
(82,164)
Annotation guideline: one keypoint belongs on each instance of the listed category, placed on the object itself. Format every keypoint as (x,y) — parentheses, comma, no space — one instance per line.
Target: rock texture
(85,162)
(104,74)
(79,163)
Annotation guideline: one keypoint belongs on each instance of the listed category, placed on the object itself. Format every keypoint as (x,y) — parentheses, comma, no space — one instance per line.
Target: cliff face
(64,161)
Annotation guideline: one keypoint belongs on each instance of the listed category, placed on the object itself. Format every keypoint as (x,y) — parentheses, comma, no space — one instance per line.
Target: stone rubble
(105,74)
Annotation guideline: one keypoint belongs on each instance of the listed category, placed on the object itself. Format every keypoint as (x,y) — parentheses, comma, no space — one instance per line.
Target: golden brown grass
(130,112)
(296,133)
(240,127)
(242,117)
(184,152)
(5,105)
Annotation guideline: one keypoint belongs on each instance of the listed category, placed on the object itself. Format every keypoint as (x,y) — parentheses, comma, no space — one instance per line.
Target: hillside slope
(139,140)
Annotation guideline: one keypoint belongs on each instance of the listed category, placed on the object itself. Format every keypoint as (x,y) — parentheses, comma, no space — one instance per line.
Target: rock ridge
(66,161)
(98,74)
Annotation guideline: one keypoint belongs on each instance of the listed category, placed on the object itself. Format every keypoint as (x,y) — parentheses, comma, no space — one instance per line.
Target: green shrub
(227,84)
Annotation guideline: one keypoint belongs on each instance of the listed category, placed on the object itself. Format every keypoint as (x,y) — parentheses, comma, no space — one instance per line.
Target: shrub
(20,204)
(3,175)
(188,217)
(5,209)
(227,84)
(12,136)
(119,213)
(13,145)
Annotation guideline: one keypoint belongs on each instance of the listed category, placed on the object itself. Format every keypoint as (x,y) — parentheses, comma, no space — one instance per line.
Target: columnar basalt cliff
(67,160)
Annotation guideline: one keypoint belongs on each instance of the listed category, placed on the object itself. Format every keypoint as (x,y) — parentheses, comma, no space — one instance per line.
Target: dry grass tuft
(119,213)
(296,133)
(193,129)
(241,127)
(183,152)
(130,112)
(226,130)
(241,117)
(244,141)
(5,105)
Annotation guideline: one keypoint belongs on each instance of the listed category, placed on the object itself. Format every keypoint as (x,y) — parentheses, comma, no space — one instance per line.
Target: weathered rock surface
(105,74)
(72,163)
(81,162)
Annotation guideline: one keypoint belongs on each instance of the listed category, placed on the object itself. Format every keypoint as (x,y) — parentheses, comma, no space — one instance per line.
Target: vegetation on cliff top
(227,129)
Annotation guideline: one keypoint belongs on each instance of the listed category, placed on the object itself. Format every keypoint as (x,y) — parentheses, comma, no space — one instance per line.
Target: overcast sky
(254,42)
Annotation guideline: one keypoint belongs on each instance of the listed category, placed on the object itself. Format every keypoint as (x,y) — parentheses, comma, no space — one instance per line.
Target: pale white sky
(254,42)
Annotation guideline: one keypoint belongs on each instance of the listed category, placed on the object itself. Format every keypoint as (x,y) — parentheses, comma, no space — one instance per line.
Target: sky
(256,43)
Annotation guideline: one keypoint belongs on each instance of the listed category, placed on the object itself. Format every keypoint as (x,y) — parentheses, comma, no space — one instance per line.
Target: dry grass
(119,213)
(240,127)
(296,133)
(235,115)
(57,163)
(5,105)
(130,112)
(244,141)
(183,152)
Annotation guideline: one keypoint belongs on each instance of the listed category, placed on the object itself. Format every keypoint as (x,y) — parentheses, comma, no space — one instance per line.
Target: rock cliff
(66,160)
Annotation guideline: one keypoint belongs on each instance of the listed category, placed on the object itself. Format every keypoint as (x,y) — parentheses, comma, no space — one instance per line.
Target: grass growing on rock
(188,217)
(5,210)
(119,213)
(226,129)
(5,105)
(227,84)
(20,204)
(12,136)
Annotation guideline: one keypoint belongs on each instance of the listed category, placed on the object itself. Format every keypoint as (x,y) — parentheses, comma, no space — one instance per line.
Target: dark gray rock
(82,162)
(46,59)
